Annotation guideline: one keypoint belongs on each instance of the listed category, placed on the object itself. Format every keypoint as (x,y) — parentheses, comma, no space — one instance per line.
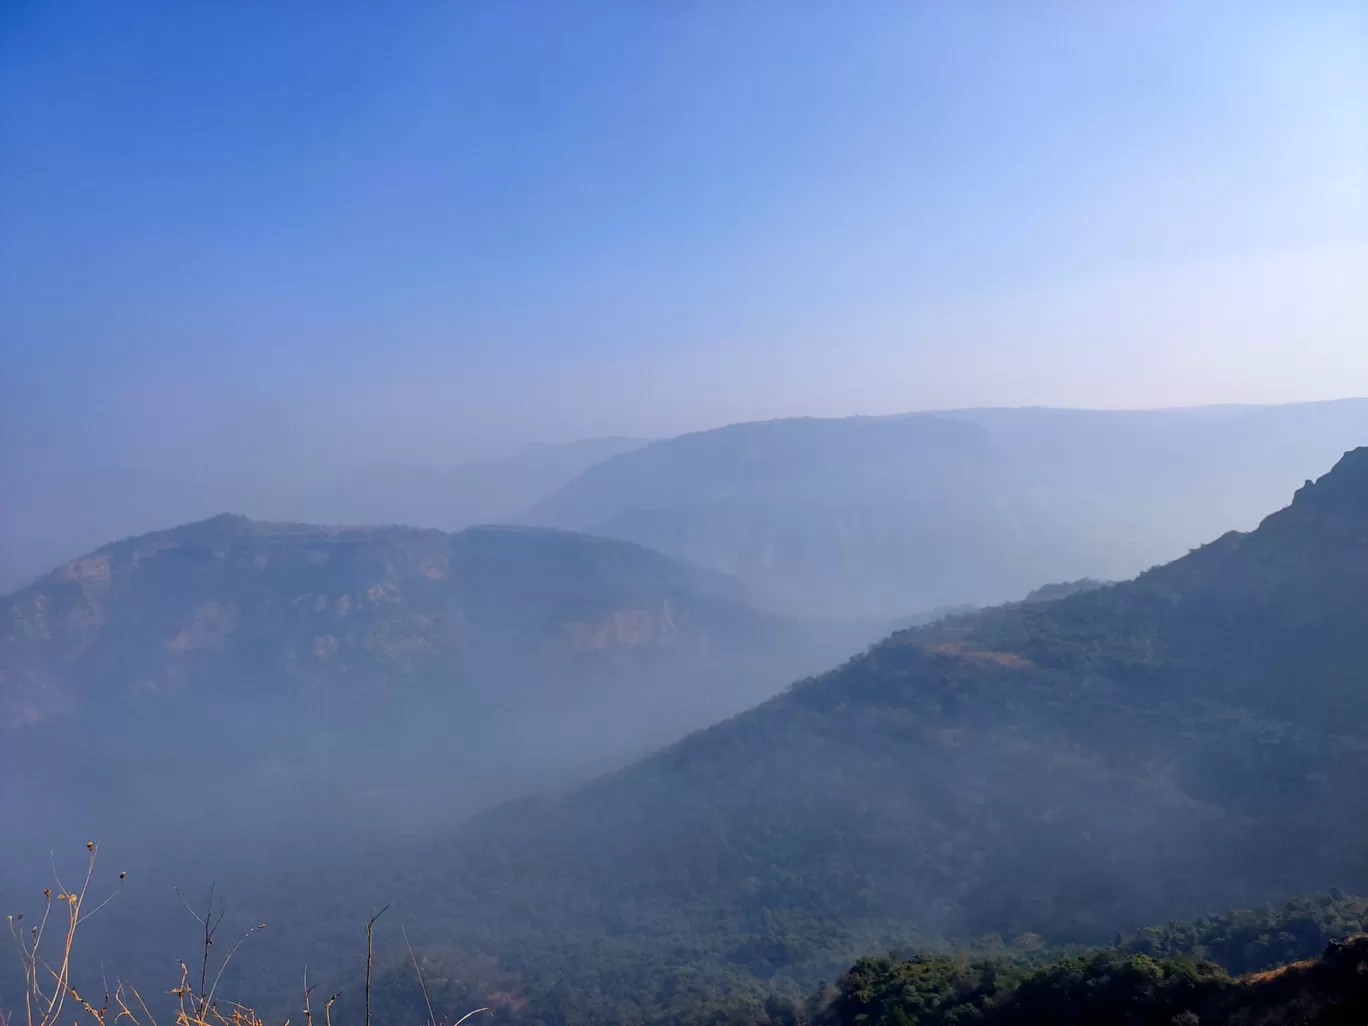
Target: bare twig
(48,986)
(43,1006)
(432,1019)
(214,988)
(370,951)
(210,926)
(141,1004)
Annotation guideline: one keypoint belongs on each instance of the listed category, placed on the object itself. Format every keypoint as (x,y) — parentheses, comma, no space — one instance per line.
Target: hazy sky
(339,232)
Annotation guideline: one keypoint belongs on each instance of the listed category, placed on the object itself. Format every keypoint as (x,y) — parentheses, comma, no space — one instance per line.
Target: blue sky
(327,234)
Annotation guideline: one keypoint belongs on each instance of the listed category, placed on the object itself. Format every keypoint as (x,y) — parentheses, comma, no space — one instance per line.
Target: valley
(1087,761)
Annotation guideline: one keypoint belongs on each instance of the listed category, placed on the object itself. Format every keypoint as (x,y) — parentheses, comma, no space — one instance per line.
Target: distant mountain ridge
(879,515)
(855,516)
(833,517)
(54,513)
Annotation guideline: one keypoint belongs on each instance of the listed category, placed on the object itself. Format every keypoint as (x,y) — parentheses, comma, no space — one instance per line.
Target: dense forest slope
(1194,738)
(897,514)
(1100,988)
(378,668)
(1305,961)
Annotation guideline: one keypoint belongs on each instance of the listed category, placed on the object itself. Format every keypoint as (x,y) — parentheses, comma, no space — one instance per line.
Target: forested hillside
(1194,738)
(1105,988)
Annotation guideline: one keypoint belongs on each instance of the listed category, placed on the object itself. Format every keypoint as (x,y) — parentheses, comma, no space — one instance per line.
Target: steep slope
(377,669)
(1195,737)
(893,514)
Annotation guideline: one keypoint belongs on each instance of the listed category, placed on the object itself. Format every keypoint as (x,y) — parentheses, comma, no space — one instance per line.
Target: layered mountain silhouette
(377,670)
(847,517)
(1192,739)
(1195,737)
(51,515)
(897,514)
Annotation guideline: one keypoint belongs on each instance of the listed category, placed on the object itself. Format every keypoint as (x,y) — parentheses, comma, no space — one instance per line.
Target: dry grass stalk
(47,979)
(48,987)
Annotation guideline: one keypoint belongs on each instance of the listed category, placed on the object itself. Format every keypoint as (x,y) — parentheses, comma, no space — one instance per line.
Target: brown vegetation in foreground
(49,993)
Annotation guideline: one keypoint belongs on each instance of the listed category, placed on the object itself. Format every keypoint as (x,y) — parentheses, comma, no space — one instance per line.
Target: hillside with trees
(377,670)
(1026,778)
(1050,773)
(1189,740)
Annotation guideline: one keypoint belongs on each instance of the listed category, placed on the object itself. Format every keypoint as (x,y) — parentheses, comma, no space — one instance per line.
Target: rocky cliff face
(410,666)
(251,608)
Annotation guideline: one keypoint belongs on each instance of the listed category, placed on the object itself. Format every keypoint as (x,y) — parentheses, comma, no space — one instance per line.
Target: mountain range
(890,515)
(1192,738)
(1092,758)
(53,513)
(872,516)
(1055,770)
